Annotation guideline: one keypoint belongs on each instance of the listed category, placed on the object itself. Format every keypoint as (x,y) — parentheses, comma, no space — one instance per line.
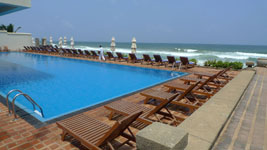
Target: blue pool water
(61,85)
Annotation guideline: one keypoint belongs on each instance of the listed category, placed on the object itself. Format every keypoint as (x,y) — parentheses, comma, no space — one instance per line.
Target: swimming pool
(62,85)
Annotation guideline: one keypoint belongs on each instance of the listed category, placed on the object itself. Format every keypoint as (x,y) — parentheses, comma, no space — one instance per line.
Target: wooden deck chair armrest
(202,93)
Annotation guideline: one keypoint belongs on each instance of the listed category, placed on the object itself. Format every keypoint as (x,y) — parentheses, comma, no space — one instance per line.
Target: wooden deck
(247,128)
(23,135)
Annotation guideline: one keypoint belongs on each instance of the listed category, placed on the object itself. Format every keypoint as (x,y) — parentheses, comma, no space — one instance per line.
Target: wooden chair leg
(64,133)
(111,115)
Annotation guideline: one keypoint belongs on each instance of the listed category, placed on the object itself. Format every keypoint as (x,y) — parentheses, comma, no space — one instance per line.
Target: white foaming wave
(254,55)
(169,53)
(190,50)
(231,56)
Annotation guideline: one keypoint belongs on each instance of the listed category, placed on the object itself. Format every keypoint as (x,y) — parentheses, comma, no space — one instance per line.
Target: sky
(155,21)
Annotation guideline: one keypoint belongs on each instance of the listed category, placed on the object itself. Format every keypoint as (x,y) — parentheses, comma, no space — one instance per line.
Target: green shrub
(211,63)
(223,64)
(124,55)
(177,59)
(193,60)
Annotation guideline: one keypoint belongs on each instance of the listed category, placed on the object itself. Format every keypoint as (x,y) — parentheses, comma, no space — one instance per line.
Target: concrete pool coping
(205,124)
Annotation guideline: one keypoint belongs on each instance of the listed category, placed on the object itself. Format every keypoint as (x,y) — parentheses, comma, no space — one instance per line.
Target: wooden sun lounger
(125,108)
(220,75)
(159,61)
(147,59)
(87,53)
(134,59)
(172,62)
(121,58)
(204,84)
(185,98)
(81,53)
(111,56)
(94,54)
(185,62)
(75,52)
(94,134)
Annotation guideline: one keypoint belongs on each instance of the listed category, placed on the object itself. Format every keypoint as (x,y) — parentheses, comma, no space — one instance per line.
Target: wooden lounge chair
(185,98)
(94,54)
(87,54)
(111,56)
(205,86)
(75,52)
(216,80)
(220,75)
(147,59)
(94,134)
(159,61)
(126,108)
(134,59)
(81,53)
(185,62)
(172,61)
(69,52)
(121,58)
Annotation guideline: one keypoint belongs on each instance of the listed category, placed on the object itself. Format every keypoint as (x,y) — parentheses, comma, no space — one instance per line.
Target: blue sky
(159,21)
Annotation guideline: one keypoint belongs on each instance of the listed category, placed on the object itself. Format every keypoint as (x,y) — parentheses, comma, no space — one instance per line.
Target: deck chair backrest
(207,81)
(224,71)
(146,57)
(69,51)
(80,51)
(94,53)
(187,91)
(184,60)
(177,97)
(75,51)
(87,52)
(171,59)
(157,58)
(119,55)
(118,128)
(162,105)
(110,55)
(132,56)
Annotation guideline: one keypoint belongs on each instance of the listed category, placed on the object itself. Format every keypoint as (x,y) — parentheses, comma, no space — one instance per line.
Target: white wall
(15,41)
(23,3)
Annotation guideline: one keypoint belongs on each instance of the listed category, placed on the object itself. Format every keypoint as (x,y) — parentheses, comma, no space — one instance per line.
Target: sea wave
(231,56)
(190,50)
(254,55)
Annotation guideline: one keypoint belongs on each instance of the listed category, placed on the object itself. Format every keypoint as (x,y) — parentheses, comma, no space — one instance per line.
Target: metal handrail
(7,103)
(29,99)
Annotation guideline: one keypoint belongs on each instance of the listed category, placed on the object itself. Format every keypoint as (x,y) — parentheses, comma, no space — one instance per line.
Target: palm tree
(9,28)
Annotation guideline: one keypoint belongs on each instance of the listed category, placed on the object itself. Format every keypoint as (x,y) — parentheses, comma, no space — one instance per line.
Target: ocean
(201,52)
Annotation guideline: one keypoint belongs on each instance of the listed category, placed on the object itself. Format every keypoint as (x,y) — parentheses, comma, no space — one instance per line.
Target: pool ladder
(14,99)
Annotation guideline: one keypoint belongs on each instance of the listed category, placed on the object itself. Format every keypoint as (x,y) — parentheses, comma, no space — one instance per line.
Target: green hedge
(193,60)
(223,64)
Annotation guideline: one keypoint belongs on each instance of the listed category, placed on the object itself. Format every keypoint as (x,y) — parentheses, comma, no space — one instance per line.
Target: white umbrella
(113,44)
(51,40)
(72,42)
(133,47)
(60,42)
(65,40)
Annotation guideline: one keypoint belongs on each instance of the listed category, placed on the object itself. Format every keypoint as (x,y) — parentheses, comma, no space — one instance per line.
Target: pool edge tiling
(104,100)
